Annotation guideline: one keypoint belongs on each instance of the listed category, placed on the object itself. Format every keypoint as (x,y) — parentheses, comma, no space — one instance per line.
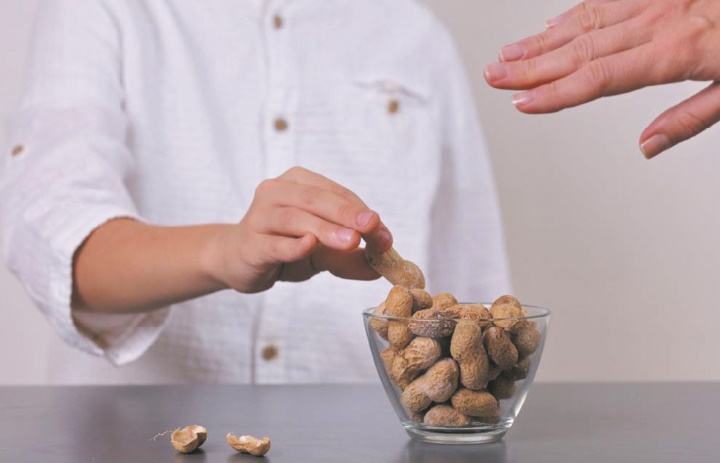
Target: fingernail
(495,71)
(550,23)
(523,99)
(384,235)
(345,234)
(364,218)
(512,52)
(655,145)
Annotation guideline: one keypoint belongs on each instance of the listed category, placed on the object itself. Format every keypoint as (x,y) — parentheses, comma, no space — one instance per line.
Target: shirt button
(17,150)
(278,21)
(393,106)
(269,353)
(281,124)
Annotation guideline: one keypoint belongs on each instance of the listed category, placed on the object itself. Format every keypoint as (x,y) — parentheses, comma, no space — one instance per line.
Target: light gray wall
(622,249)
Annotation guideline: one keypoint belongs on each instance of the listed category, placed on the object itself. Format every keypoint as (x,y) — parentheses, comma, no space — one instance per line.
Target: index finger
(588,19)
(376,234)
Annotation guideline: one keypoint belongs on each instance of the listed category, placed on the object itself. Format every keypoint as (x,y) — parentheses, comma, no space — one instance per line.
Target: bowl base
(481,434)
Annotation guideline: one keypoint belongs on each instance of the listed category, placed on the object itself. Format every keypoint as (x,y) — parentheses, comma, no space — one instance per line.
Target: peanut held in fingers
(249,444)
(394,268)
(188,439)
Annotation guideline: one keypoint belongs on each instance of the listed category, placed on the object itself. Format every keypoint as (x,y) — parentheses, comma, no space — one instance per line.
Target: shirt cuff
(121,338)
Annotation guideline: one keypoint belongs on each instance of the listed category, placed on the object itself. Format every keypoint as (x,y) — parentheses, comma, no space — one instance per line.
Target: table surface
(655,422)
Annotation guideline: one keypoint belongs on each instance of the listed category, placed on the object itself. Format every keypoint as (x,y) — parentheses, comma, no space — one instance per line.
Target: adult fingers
(682,121)
(573,11)
(590,19)
(609,75)
(567,59)
(291,221)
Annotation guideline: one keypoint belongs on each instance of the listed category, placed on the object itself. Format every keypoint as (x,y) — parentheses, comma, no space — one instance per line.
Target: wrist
(213,263)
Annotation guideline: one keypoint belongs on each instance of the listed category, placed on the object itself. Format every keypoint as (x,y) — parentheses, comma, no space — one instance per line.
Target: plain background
(625,251)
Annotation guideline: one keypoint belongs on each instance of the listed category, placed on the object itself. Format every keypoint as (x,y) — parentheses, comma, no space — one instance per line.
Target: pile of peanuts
(453,362)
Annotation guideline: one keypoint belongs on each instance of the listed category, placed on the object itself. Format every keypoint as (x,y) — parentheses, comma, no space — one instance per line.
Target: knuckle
(691,123)
(294,171)
(589,19)
(265,187)
(595,77)
(347,212)
(583,49)
(311,196)
(287,218)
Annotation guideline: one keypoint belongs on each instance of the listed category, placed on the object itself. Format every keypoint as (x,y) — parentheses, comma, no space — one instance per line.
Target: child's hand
(298,225)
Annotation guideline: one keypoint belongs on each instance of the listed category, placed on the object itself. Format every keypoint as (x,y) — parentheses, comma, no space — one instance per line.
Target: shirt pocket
(385,128)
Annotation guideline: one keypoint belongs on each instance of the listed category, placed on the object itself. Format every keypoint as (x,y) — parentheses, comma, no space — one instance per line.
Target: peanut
(421,299)
(520,371)
(466,347)
(443,301)
(479,404)
(502,388)
(436,385)
(399,304)
(189,438)
(379,325)
(493,372)
(431,323)
(388,356)
(526,337)
(444,415)
(249,444)
(506,307)
(500,348)
(420,354)
(394,268)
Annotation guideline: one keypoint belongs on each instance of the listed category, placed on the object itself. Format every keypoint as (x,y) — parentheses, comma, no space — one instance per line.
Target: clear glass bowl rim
(541,313)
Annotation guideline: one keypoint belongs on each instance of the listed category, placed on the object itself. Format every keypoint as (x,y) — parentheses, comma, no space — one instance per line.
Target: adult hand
(298,225)
(608,47)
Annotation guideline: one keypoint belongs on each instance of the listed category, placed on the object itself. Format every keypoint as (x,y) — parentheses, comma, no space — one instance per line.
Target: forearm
(128,267)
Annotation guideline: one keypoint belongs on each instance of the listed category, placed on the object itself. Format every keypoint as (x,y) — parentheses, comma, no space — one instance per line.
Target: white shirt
(166,111)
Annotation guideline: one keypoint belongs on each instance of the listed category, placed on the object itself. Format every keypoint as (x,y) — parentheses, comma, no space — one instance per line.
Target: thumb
(682,121)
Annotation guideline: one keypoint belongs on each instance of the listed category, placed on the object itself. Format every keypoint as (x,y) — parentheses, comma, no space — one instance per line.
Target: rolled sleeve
(66,169)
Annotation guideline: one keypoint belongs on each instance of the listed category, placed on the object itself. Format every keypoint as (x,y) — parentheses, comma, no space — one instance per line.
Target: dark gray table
(343,424)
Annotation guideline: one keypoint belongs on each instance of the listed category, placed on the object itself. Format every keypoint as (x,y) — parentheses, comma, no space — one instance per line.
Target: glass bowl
(499,399)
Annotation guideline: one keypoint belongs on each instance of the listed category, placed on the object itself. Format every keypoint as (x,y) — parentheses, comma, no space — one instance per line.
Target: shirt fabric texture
(167,111)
